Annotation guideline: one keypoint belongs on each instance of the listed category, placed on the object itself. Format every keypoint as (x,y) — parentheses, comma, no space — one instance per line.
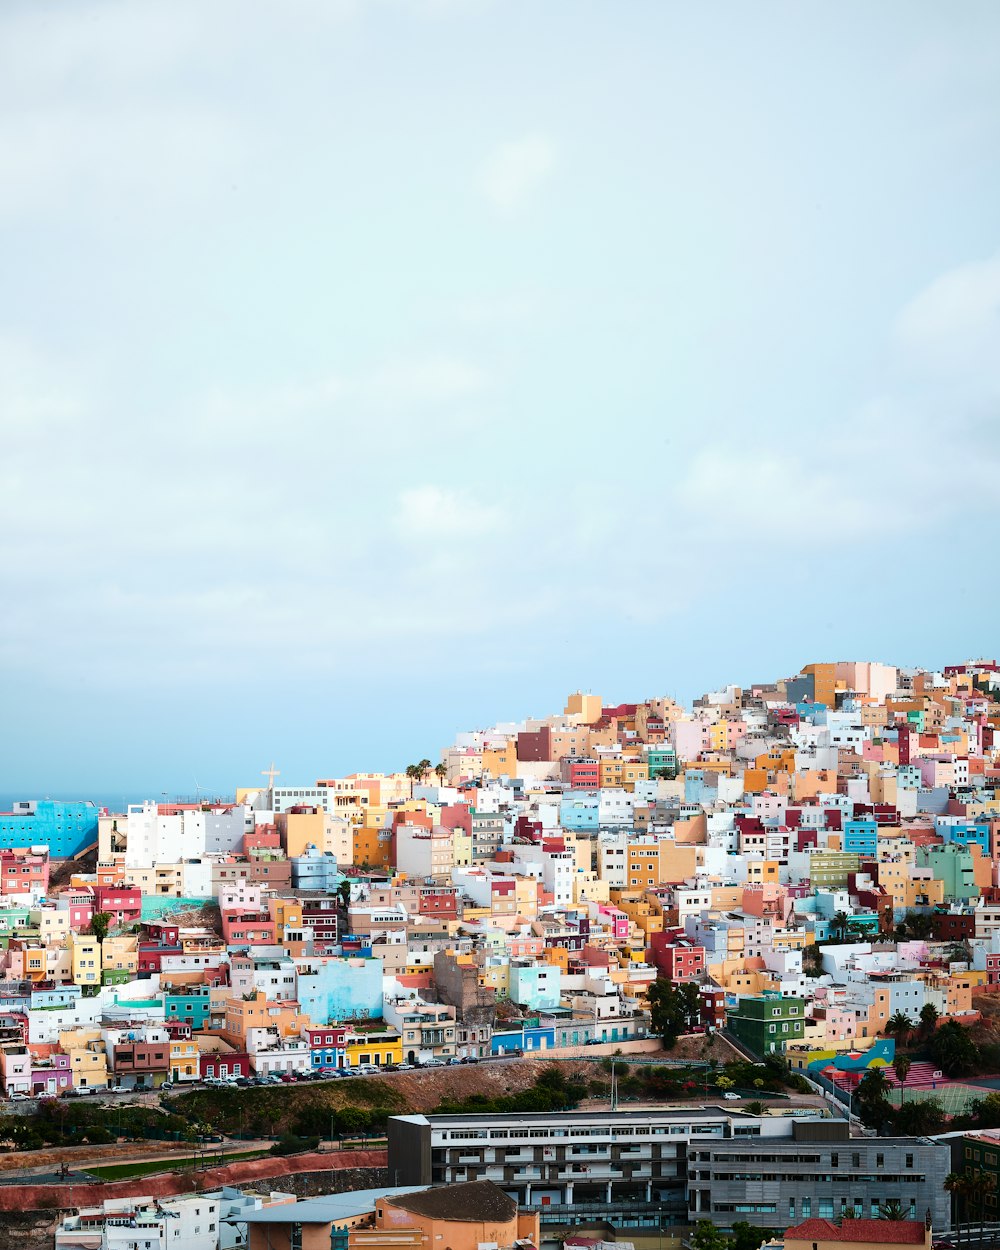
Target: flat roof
(653,1115)
(326,1209)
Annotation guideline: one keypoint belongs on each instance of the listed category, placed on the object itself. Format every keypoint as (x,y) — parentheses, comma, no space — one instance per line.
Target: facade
(818,1172)
(632,1167)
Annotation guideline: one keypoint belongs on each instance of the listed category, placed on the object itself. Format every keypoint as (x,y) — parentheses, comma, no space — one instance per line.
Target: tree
(901,1067)
(747,1237)
(953,1050)
(440,771)
(985,1185)
(415,773)
(707,1237)
(957,1185)
(672,1008)
(892,1210)
(839,924)
(899,1026)
(100,923)
(928,1018)
(344,890)
(872,1093)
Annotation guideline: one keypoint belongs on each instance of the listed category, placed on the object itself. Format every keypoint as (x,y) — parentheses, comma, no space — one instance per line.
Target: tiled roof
(887,1232)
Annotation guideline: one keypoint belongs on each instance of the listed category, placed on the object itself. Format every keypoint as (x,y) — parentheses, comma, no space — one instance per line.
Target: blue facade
(579,810)
(329,1057)
(968,833)
(315,870)
(192,1005)
(341,989)
(65,828)
(861,837)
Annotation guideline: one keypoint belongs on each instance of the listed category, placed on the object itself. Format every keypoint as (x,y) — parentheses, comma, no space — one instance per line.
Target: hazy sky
(374,370)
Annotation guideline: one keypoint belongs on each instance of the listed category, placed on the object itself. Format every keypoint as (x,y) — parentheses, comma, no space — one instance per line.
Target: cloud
(953,325)
(515,170)
(428,513)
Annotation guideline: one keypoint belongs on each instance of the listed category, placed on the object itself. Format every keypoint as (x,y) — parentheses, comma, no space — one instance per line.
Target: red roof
(889,1232)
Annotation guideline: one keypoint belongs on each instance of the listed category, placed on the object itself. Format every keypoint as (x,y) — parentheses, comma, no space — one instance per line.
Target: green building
(662,762)
(767,1024)
(828,870)
(953,865)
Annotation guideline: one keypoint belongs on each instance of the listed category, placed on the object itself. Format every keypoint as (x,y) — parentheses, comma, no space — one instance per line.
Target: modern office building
(573,1165)
(817,1172)
(672,1166)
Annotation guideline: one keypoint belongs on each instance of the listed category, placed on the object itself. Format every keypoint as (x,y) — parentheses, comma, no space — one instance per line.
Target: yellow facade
(299,829)
(184,1060)
(85,952)
(380,1047)
(120,954)
(501,761)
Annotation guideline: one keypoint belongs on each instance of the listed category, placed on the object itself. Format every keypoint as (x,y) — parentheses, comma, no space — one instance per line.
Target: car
(434,1063)
(730,1096)
(19,1097)
(244,1082)
(404,1067)
(286,1077)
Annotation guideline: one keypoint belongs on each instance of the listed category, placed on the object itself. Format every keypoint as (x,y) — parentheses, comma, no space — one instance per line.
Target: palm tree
(953,1184)
(441,771)
(986,1184)
(959,1185)
(928,1018)
(900,1026)
(892,1210)
(415,773)
(901,1067)
(839,923)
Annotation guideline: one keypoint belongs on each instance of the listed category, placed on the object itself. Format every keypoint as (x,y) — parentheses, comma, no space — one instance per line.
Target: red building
(253,928)
(24,870)
(122,902)
(677,958)
(224,1063)
(581,774)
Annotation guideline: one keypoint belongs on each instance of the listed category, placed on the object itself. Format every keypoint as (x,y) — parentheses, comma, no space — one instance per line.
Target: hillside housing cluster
(816,854)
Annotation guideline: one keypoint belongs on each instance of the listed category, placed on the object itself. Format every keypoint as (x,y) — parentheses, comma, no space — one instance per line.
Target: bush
(291,1144)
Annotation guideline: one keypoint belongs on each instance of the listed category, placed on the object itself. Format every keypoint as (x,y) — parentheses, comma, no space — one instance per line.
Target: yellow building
(88,1061)
(379,1045)
(85,952)
(299,829)
(121,954)
(585,708)
(184,1056)
(501,761)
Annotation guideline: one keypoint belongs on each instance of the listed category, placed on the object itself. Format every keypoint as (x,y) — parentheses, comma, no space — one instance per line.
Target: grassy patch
(183,1162)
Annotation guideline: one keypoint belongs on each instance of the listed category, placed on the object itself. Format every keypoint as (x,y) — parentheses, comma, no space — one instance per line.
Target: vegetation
(953,1050)
(551,1092)
(744,1237)
(672,1008)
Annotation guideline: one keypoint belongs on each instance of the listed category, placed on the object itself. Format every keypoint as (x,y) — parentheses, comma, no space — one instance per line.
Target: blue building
(341,989)
(315,870)
(861,837)
(964,833)
(191,1005)
(65,828)
(579,810)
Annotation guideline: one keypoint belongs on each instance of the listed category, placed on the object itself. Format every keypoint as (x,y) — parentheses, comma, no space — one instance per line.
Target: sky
(372,370)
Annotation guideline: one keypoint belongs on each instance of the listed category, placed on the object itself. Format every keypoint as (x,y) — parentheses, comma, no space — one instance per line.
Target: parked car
(434,1063)
(730,1096)
(17,1097)
(404,1067)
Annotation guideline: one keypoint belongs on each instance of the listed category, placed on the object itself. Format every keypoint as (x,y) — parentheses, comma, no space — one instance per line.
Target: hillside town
(801,876)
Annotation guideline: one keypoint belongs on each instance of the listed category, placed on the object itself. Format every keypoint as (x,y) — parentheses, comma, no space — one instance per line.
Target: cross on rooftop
(270,774)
